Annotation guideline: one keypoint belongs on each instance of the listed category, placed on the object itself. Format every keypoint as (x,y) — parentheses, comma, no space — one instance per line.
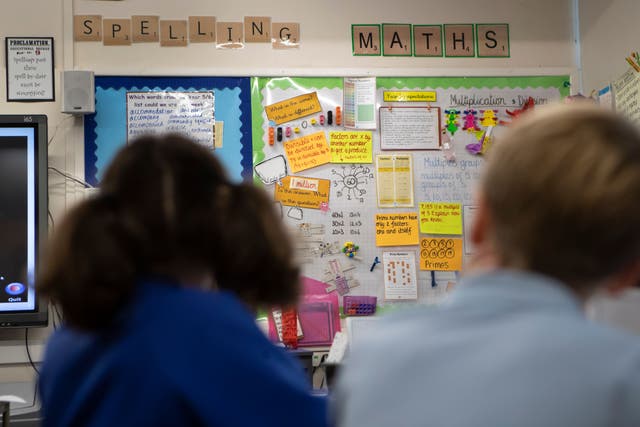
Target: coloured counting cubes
(359,305)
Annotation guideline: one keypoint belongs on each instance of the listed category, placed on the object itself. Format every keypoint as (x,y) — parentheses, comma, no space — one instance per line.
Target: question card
(441,218)
(303,192)
(397,229)
(293,108)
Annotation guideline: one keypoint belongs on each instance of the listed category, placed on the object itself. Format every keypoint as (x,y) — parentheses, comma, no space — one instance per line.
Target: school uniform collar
(517,289)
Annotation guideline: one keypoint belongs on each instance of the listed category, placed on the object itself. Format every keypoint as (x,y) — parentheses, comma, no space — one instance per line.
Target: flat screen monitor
(23,217)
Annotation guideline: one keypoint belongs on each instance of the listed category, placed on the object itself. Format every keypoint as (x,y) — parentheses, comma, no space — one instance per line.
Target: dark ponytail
(92,238)
(166,208)
(258,261)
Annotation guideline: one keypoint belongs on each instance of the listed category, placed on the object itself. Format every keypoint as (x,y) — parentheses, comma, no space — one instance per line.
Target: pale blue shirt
(508,350)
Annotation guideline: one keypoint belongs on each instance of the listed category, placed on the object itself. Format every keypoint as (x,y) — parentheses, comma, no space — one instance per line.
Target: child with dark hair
(159,277)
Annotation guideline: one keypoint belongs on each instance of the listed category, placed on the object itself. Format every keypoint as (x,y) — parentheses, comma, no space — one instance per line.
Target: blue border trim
(127,82)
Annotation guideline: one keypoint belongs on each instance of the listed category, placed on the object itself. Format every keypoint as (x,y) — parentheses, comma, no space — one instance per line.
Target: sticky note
(398,229)
(441,218)
(303,192)
(351,147)
(440,254)
(307,152)
(293,108)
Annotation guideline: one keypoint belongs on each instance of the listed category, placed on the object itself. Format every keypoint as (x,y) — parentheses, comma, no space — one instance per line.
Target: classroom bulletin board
(382,207)
(374,176)
(106,131)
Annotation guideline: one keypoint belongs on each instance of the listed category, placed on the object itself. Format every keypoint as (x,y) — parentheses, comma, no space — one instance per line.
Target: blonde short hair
(563,189)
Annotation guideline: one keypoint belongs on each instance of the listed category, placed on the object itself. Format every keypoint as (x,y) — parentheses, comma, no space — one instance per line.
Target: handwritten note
(409,128)
(303,192)
(347,223)
(394,180)
(438,254)
(439,180)
(398,229)
(307,152)
(293,108)
(400,279)
(351,147)
(441,218)
(190,113)
(627,95)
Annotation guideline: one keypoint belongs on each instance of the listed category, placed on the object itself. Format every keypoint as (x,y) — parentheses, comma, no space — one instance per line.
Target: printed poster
(400,278)
(359,102)
(394,180)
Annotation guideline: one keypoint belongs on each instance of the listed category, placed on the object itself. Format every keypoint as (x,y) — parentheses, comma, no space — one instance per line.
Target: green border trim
(258,84)
(512,82)
(493,56)
(353,43)
(444,35)
(410,40)
(413,40)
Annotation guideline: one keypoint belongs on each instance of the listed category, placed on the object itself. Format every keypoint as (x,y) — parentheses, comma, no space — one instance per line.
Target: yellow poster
(307,152)
(351,147)
(303,192)
(293,108)
(398,229)
(441,218)
(438,254)
(394,180)
(409,96)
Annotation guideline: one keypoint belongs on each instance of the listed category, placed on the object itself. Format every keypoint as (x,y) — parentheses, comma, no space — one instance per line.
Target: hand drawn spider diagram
(350,182)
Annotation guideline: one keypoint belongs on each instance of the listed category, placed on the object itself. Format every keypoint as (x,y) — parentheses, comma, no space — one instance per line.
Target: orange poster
(308,151)
(440,254)
(303,192)
(293,108)
(398,229)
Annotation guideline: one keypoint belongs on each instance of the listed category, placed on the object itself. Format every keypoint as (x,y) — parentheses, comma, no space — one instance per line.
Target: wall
(540,37)
(609,33)
(38,18)
(541,43)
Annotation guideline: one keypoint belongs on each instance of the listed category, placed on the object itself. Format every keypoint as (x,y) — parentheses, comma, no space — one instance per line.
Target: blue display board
(105,132)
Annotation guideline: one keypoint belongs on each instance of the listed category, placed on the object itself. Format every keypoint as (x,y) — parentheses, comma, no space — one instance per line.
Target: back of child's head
(166,208)
(563,190)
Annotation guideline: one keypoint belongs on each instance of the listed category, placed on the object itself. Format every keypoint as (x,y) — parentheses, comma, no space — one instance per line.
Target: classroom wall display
(452,40)
(345,239)
(215,110)
(181,32)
